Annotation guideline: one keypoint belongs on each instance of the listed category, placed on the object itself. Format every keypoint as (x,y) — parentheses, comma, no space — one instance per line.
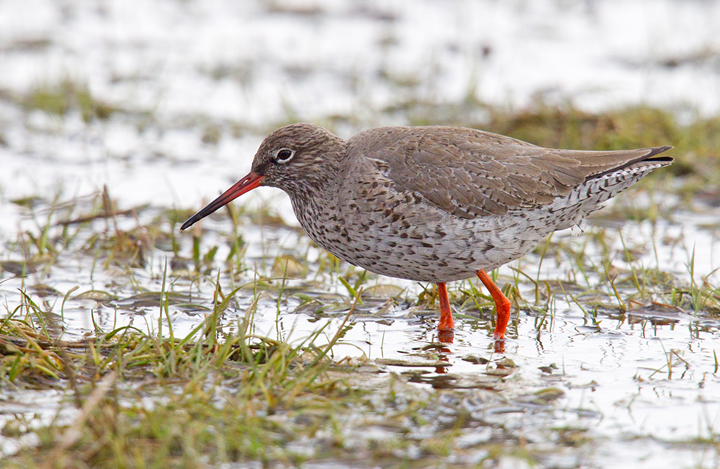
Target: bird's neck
(315,187)
(321,174)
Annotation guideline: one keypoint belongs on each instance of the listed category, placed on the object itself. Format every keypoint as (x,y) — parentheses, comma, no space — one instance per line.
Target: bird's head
(300,159)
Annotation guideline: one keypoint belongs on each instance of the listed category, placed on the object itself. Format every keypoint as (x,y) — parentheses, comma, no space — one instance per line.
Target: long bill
(248,183)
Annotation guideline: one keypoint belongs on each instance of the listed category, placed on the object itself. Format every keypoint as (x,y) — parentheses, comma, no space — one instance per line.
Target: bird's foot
(446,320)
(502,305)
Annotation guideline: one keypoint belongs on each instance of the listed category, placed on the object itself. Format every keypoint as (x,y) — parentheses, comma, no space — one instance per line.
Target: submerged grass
(213,397)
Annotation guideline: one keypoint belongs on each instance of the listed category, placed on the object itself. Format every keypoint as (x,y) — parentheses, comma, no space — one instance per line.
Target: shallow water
(642,385)
(646,375)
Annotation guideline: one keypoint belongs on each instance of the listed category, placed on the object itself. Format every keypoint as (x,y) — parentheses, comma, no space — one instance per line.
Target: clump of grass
(696,145)
(67,95)
(568,127)
(265,376)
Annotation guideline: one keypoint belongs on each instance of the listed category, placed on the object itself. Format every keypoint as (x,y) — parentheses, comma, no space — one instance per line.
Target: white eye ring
(284,155)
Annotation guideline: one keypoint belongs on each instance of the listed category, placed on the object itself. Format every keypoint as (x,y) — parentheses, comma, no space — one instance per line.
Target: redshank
(435,204)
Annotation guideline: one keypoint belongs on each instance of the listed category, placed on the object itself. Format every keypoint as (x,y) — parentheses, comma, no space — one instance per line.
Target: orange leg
(446,320)
(502,304)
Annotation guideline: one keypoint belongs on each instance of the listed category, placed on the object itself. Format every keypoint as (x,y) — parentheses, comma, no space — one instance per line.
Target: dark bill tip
(248,183)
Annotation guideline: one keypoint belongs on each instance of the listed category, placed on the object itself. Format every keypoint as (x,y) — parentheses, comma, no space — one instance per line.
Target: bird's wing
(471,173)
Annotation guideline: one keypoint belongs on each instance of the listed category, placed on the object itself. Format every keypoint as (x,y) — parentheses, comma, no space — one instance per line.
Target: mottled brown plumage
(435,203)
(472,173)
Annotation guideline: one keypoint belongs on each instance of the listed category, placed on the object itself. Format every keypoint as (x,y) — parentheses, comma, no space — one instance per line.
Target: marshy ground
(126,343)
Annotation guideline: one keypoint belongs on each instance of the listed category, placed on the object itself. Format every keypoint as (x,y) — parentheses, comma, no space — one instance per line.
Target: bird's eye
(284,155)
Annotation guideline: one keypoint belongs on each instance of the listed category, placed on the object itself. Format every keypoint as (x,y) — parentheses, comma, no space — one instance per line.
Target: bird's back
(472,173)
